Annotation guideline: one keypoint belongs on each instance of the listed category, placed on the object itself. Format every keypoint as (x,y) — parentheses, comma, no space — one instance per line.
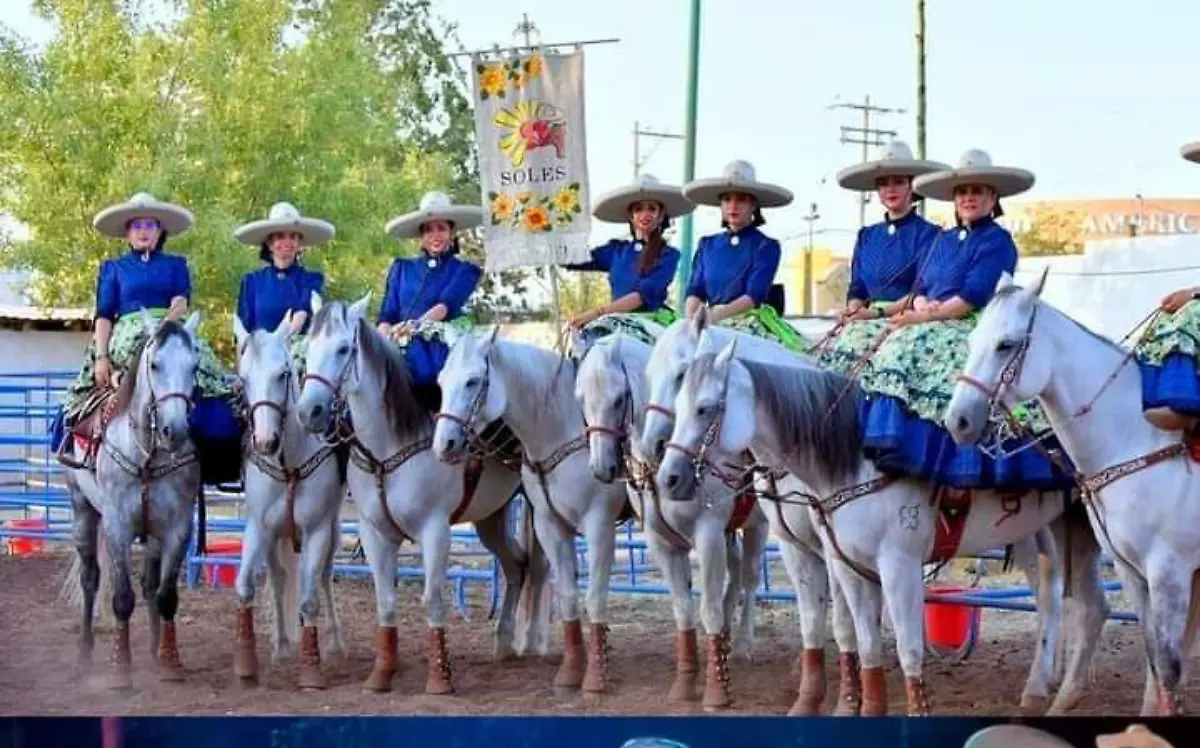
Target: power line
(865,136)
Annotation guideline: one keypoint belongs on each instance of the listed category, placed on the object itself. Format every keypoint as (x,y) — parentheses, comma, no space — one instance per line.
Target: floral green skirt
(127,336)
(919,366)
(764,322)
(1167,358)
(632,324)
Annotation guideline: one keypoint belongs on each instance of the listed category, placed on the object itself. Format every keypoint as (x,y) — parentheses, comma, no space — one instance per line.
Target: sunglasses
(143,224)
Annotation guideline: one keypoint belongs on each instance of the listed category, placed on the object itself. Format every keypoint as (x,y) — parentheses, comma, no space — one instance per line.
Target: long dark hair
(653,249)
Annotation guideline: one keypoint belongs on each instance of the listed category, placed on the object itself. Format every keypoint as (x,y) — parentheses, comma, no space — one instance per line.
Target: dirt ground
(38,644)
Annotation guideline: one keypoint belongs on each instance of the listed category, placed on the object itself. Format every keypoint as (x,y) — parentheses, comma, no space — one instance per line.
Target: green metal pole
(689,152)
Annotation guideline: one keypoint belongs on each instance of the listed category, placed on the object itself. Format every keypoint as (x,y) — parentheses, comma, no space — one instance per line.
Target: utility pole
(689,149)
(809,286)
(637,154)
(866,136)
(921,89)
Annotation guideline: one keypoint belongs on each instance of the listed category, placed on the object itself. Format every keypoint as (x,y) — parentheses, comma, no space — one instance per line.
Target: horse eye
(343,350)
(154,366)
(472,383)
(283,376)
(1004,346)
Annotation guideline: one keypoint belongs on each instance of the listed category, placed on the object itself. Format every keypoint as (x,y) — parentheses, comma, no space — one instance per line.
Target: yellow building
(831,274)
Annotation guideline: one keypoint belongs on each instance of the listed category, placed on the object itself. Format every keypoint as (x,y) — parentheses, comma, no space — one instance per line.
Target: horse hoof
(1033,705)
(379,681)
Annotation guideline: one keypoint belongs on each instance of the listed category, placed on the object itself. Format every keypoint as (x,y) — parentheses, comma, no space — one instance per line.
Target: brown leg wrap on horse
(1169,704)
(716,675)
(687,666)
(918,700)
(570,672)
(812,684)
(380,679)
(438,678)
(121,677)
(311,678)
(875,702)
(170,669)
(595,680)
(245,655)
(849,685)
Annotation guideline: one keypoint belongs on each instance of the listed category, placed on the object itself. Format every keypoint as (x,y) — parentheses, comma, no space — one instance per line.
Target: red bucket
(27,546)
(223,575)
(950,626)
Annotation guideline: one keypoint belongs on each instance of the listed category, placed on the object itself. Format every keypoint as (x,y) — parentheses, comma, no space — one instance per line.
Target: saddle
(86,430)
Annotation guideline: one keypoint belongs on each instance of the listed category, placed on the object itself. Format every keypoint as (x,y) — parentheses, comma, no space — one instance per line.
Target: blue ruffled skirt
(425,359)
(1174,384)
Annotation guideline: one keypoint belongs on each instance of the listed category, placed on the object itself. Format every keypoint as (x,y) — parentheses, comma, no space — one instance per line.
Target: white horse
(145,482)
(1090,388)
(807,419)
(402,491)
(611,387)
(799,543)
(294,493)
(532,390)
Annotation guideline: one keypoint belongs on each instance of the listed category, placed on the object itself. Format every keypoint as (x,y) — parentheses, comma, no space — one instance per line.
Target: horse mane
(536,391)
(406,416)
(166,330)
(815,411)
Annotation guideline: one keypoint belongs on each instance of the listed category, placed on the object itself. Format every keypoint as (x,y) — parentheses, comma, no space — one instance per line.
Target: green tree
(1051,232)
(349,109)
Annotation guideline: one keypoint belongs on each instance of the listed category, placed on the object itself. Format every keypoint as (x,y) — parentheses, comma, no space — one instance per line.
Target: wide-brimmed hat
(1014,736)
(975,167)
(613,206)
(1191,151)
(738,176)
(896,159)
(174,219)
(285,217)
(435,206)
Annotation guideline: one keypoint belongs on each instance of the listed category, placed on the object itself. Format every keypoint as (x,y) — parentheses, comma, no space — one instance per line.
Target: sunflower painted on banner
(733,271)
(640,269)
(283,285)
(886,256)
(912,376)
(1168,355)
(426,293)
(147,278)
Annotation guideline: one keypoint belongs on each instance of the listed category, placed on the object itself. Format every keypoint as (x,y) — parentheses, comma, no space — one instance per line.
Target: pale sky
(1094,96)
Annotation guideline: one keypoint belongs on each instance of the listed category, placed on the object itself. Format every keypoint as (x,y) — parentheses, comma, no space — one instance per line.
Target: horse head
(265,369)
(330,370)
(471,397)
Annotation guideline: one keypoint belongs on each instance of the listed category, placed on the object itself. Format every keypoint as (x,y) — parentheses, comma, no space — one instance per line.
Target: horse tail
(71,590)
(287,559)
(536,577)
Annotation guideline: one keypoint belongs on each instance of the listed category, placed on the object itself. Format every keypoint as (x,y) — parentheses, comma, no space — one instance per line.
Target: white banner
(529,128)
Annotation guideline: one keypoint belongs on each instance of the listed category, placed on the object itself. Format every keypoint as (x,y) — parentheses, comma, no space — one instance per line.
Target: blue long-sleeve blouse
(619,258)
(967,262)
(730,265)
(135,281)
(414,287)
(887,256)
(269,293)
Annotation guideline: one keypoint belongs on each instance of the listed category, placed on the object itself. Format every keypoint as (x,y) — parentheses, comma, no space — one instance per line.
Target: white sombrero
(738,176)
(435,206)
(175,219)
(1191,151)
(1014,736)
(896,159)
(285,217)
(975,167)
(613,206)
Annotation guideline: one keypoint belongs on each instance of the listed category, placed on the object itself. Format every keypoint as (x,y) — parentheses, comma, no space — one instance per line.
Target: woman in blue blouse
(1167,357)
(886,255)
(640,268)
(283,286)
(912,375)
(430,289)
(733,271)
(146,277)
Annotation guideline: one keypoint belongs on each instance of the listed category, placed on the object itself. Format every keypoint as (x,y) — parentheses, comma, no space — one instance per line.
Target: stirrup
(66,459)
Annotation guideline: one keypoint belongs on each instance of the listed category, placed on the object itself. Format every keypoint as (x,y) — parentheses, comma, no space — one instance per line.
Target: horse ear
(1005,281)
(700,320)
(358,310)
(314,299)
(284,330)
(614,350)
(239,333)
(1035,291)
(192,324)
(575,343)
(725,358)
(149,321)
